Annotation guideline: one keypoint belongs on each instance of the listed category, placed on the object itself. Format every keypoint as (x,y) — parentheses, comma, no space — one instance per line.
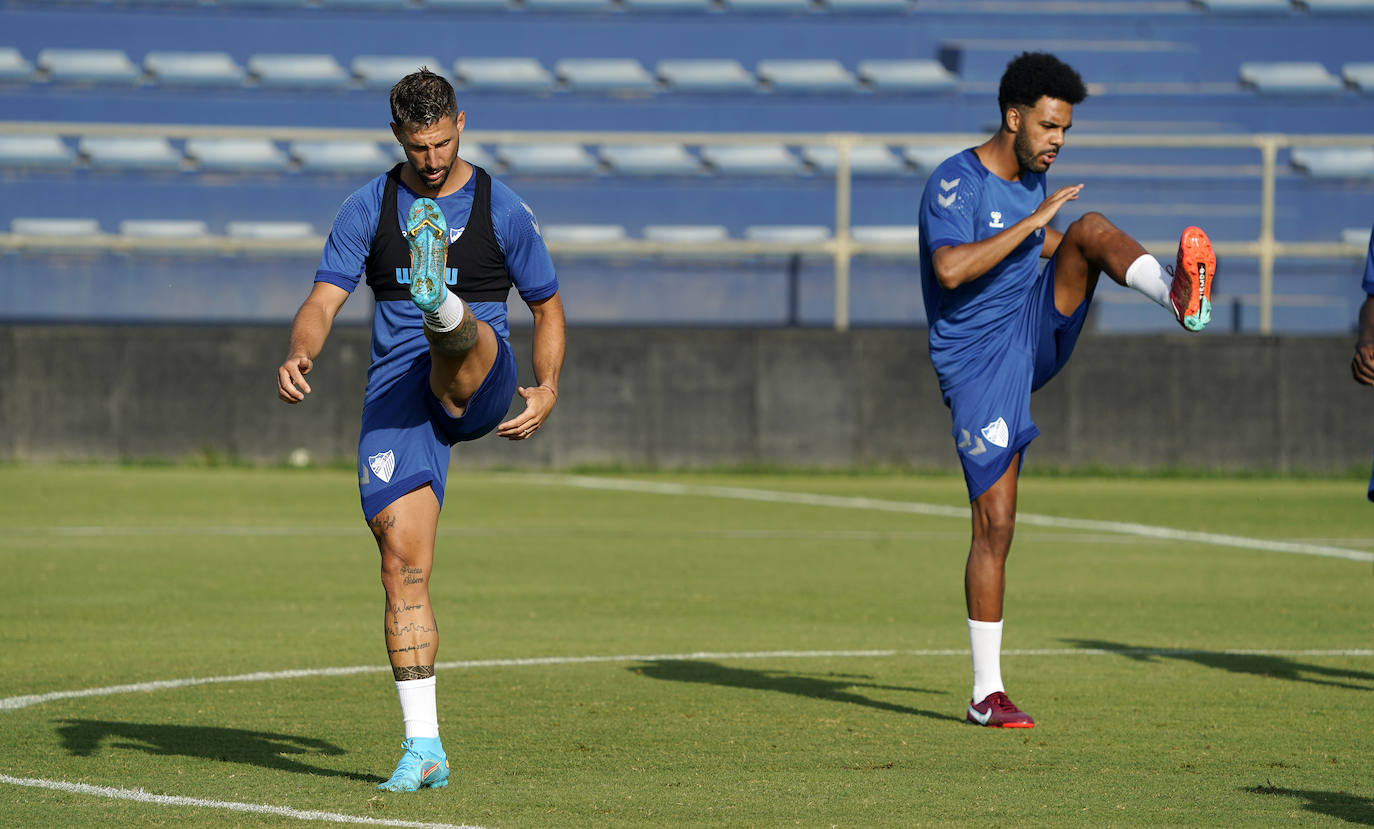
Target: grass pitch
(691,654)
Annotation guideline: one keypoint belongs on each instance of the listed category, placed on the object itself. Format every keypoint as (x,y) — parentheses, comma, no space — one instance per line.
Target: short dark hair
(1033,75)
(421,98)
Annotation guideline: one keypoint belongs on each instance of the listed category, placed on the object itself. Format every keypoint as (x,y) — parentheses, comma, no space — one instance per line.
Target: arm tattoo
(412,672)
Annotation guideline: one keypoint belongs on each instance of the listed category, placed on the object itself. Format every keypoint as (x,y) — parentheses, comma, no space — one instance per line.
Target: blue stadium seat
(752,160)
(35,151)
(383,71)
(706,75)
(13,66)
(900,76)
(1335,162)
(129,153)
(806,75)
(193,69)
(547,159)
(1289,78)
(236,155)
(503,74)
(298,71)
(1360,76)
(110,66)
(651,160)
(864,160)
(610,75)
(343,157)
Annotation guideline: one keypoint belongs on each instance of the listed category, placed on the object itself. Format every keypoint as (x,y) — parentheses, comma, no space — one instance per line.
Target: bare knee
(992,532)
(1091,231)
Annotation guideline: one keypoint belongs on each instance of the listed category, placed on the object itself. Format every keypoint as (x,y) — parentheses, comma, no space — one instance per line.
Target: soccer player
(440,243)
(1362,366)
(1001,325)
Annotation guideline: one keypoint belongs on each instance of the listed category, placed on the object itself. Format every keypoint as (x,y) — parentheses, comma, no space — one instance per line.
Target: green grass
(135,574)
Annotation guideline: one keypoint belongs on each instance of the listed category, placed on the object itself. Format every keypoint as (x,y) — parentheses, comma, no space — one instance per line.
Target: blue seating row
(1233,7)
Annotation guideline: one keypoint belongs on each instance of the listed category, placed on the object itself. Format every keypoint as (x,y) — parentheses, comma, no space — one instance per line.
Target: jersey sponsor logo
(997,433)
(450,276)
(996,219)
(973,446)
(982,719)
(382,464)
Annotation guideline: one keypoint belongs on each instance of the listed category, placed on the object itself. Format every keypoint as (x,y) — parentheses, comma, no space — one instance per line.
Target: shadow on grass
(831,687)
(1258,664)
(1347,807)
(84,738)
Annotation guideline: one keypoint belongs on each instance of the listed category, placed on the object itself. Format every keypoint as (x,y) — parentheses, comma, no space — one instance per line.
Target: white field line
(917,508)
(140,796)
(27,700)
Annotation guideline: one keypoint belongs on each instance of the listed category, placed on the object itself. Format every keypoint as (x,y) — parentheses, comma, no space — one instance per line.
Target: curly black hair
(421,98)
(1033,75)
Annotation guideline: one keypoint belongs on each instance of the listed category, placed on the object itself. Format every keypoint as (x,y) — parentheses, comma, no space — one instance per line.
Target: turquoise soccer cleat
(427,231)
(423,766)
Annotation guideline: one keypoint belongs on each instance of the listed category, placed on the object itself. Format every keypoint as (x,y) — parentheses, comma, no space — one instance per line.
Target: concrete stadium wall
(694,397)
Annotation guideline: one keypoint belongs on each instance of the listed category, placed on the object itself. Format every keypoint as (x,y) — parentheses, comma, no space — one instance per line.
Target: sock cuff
(416,684)
(974,624)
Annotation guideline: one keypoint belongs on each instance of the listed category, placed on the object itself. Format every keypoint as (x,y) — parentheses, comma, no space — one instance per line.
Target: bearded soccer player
(1001,325)
(440,243)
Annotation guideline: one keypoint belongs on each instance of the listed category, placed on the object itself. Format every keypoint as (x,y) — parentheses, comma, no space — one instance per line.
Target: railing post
(1269,148)
(843,143)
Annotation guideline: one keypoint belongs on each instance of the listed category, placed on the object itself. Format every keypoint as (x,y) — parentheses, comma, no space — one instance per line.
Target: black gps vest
(475,256)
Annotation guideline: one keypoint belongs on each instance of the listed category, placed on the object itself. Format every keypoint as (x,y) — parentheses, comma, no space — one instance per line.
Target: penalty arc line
(942,511)
(141,796)
(28,700)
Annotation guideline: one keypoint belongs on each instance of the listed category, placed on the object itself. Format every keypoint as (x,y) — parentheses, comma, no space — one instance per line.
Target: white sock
(418,708)
(448,315)
(985,640)
(1146,276)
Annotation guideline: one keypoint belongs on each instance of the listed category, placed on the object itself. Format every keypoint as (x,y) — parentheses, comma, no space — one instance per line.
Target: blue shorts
(406,432)
(991,409)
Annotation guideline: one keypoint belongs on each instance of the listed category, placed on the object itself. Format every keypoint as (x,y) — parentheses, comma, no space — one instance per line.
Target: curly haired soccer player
(440,243)
(1001,325)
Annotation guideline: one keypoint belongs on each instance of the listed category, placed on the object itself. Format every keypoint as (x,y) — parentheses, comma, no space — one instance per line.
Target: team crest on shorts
(996,432)
(384,463)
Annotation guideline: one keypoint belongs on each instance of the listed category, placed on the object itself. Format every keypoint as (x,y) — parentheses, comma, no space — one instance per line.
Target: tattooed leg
(405,537)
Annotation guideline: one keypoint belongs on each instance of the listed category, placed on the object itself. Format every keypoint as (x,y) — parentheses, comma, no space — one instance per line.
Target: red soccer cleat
(996,711)
(1194,273)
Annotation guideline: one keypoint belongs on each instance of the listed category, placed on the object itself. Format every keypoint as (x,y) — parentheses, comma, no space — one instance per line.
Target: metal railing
(841,246)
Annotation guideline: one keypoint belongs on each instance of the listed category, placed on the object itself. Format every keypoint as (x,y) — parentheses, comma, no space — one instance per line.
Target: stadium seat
(477,155)
(898,76)
(770,6)
(13,66)
(610,75)
(237,155)
(887,235)
(584,234)
(1289,78)
(466,5)
(706,75)
(1339,6)
(350,157)
(129,153)
(269,231)
(503,74)
(66,228)
(1360,76)
(193,69)
(87,66)
(927,157)
(864,160)
(547,159)
(383,71)
(812,76)
(298,71)
(1355,236)
(1335,162)
(667,5)
(867,6)
(686,234)
(787,234)
(568,5)
(752,159)
(264,3)
(373,5)
(650,160)
(164,229)
(35,151)
(1247,6)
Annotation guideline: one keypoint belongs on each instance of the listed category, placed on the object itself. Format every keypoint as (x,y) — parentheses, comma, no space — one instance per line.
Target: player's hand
(539,402)
(291,385)
(1362,367)
(1049,208)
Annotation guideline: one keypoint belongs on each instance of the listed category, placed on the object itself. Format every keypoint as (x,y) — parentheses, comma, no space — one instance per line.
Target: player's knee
(399,572)
(1089,228)
(993,529)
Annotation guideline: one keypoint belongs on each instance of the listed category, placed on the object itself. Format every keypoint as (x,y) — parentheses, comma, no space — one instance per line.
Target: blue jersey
(965,202)
(398,337)
(1369,267)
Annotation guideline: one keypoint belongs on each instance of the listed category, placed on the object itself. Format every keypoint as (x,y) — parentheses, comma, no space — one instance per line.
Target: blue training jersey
(965,202)
(398,337)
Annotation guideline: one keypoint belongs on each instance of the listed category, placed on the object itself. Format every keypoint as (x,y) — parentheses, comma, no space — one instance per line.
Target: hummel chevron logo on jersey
(946,201)
(966,440)
(949,185)
(382,465)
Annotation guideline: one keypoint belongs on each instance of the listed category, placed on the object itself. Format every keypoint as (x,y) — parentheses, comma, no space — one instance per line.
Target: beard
(438,183)
(1026,157)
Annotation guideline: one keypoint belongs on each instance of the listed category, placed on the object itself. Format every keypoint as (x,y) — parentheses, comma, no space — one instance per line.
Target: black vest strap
(476,266)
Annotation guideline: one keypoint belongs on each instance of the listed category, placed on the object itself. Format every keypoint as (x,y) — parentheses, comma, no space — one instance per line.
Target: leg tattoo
(413,672)
(457,342)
